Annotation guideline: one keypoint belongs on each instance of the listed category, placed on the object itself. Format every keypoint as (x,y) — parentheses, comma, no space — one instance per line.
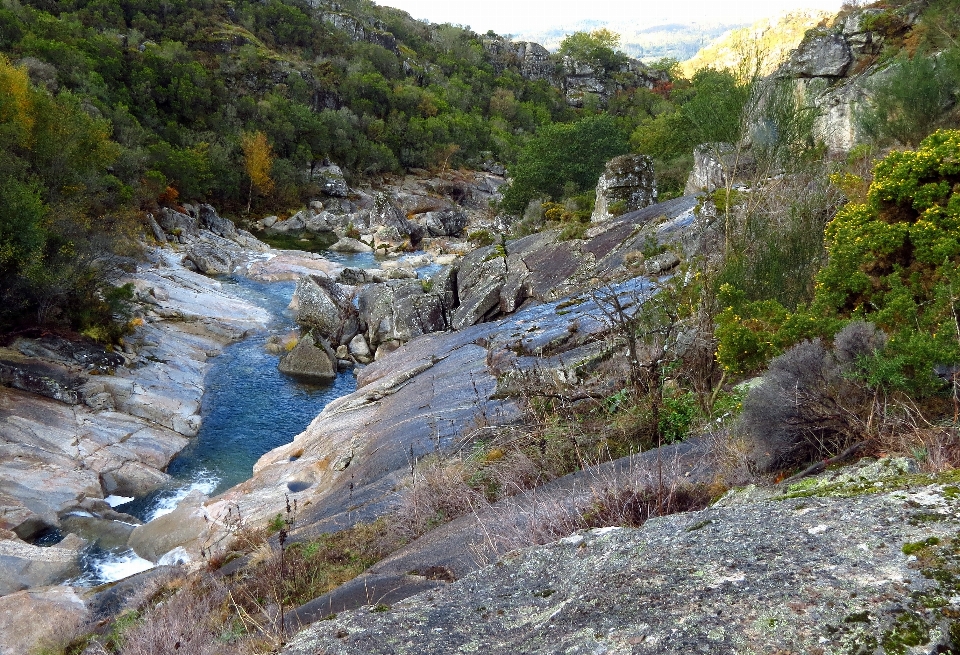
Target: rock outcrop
(627,183)
(824,54)
(833,68)
(822,572)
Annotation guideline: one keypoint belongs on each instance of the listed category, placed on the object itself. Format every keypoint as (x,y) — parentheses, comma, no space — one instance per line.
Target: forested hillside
(111,109)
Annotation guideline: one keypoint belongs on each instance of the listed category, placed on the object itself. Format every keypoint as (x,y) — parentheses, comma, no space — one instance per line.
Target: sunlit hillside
(767,41)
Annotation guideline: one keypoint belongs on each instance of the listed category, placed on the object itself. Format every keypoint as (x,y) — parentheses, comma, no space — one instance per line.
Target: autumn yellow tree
(257,160)
(16,102)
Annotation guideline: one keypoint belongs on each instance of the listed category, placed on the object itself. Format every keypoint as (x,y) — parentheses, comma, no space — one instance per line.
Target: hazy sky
(518,16)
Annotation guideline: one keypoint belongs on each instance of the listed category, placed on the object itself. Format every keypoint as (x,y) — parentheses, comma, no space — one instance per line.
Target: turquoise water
(248,408)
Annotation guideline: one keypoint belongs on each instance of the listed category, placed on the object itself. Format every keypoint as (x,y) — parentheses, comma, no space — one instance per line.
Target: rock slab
(816,574)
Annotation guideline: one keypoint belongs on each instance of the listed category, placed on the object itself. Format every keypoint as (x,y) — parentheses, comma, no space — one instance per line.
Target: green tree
(600,48)
(564,153)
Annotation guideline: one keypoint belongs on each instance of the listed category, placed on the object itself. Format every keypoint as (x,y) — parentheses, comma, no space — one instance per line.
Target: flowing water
(248,408)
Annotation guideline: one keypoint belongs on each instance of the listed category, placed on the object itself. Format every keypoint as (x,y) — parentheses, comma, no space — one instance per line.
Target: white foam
(116,566)
(113,501)
(204,482)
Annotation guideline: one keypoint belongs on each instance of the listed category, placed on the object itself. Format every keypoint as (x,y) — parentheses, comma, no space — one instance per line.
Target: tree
(598,48)
(257,160)
(561,154)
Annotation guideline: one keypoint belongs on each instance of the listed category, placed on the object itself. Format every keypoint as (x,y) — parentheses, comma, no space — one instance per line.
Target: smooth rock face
(309,361)
(289,265)
(29,618)
(180,527)
(346,244)
(627,180)
(795,575)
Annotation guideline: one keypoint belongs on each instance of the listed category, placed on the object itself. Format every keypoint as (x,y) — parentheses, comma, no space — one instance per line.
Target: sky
(519,16)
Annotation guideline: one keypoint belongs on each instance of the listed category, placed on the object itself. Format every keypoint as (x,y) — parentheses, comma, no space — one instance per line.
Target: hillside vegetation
(767,43)
(828,282)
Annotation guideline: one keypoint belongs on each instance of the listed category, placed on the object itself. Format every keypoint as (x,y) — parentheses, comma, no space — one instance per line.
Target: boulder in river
(322,304)
(310,360)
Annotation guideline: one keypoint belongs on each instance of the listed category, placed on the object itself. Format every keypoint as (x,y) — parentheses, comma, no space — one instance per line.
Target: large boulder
(177,224)
(822,55)
(222,227)
(211,258)
(385,214)
(310,360)
(399,310)
(627,180)
(293,225)
(326,306)
(444,223)
(482,276)
(322,222)
(331,180)
(39,377)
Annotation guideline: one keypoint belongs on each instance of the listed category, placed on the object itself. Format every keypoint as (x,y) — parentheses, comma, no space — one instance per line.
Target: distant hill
(771,39)
(645,42)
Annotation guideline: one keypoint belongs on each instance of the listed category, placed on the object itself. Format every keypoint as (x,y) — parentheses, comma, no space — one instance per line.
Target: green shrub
(910,98)
(893,260)
(480,238)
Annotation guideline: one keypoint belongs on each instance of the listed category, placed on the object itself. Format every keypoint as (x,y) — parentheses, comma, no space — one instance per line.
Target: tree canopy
(561,154)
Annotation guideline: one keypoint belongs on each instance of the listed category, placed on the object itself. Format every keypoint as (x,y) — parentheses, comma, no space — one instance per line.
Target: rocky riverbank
(79,424)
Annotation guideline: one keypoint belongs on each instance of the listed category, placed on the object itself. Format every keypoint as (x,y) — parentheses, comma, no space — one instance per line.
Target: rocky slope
(437,391)
(844,564)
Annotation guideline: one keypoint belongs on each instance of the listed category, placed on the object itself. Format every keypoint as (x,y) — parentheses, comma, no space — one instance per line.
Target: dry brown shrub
(189,622)
(624,498)
(435,493)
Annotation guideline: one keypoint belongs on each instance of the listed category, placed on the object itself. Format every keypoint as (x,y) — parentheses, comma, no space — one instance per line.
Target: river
(248,409)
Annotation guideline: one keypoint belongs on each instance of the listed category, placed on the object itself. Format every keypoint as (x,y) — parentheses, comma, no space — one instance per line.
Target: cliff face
(833,68)
(828,567)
